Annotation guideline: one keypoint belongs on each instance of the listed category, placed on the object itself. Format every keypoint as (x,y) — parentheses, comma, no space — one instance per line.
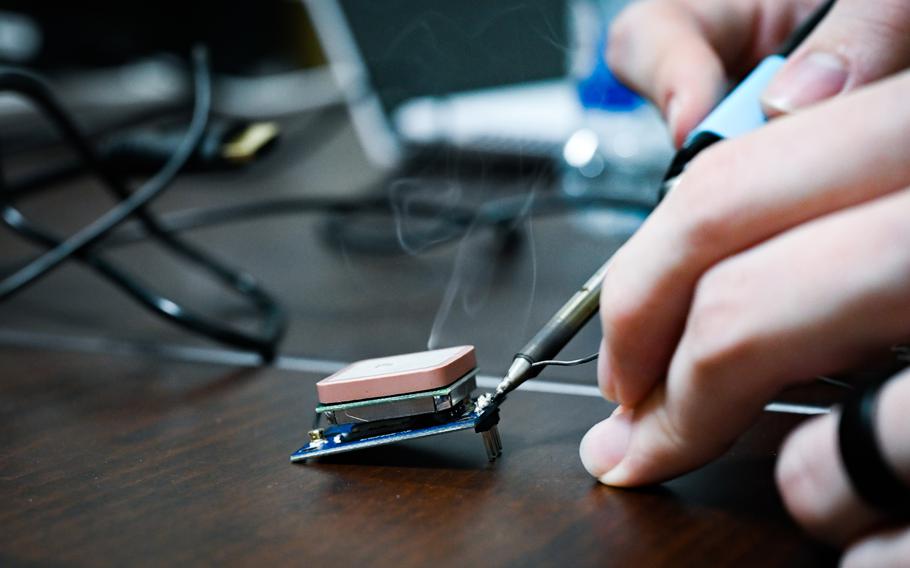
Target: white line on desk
(288,362)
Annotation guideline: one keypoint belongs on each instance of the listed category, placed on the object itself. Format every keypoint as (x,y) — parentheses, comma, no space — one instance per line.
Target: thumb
(858,42)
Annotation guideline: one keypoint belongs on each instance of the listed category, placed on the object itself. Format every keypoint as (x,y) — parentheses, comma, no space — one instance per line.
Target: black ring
(872,477)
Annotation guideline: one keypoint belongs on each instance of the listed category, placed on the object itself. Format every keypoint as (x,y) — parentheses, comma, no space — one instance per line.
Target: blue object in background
(601,89)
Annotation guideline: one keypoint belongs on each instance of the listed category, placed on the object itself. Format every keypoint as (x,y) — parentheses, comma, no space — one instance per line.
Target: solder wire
(569,363)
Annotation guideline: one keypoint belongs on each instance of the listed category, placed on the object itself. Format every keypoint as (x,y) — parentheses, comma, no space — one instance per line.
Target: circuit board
(339,438)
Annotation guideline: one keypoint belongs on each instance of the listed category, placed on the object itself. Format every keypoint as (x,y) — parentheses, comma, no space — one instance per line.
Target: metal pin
(495,430)
(492,443)
(489,445)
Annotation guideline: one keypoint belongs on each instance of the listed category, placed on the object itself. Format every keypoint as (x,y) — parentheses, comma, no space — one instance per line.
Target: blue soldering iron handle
(740,111)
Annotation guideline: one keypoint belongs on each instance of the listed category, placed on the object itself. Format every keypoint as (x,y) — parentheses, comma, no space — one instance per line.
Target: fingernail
(604,446)
(812,78)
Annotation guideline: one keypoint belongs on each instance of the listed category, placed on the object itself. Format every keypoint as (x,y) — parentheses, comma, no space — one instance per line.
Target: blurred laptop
(407,91)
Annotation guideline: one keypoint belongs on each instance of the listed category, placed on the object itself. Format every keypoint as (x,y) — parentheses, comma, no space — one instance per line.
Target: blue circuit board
(334,441)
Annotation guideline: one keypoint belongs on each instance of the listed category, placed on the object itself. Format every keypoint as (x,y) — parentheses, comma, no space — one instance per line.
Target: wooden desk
(111,455)
(120,459)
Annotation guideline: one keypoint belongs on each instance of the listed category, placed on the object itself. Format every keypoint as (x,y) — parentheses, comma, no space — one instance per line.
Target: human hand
(681,53)
(776,258)
(820,495)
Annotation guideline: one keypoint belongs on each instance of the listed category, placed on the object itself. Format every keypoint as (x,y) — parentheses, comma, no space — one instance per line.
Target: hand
(681,53)
(777,258)
(816,489)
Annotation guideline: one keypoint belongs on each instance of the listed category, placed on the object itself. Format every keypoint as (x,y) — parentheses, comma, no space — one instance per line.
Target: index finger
(678,53)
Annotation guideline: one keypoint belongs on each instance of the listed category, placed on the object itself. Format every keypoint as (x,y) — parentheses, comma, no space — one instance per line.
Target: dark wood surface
(120,459)
(117,450)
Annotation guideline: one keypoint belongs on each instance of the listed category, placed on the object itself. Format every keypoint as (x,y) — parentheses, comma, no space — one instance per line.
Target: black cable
(453,221)
(133,204)
(140,152)
(12,79)
(493,213)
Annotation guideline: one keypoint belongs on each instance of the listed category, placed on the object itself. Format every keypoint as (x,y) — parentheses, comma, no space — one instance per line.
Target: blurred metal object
(492,443)
(102,99)
(277,94)
(509,115)
(249,142)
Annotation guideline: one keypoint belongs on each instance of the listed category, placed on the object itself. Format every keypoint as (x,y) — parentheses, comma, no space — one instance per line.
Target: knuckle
(890,19)
(704,220)
(621,36)
(715,337)
(621,310)
(626,24)
(626,30)
(668,437)
(677,439)
(876,39)
(624,302)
